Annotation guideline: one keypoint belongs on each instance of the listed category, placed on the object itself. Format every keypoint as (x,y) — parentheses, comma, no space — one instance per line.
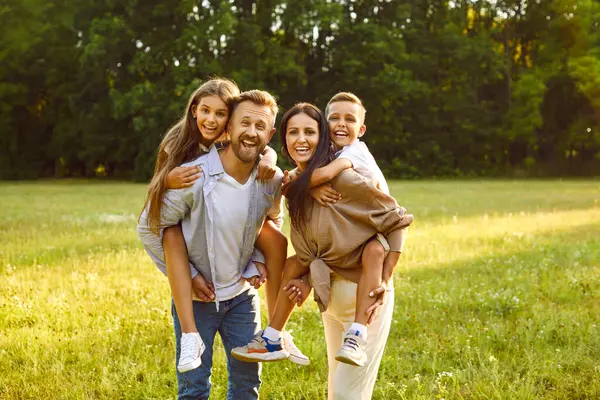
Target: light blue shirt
(194,207)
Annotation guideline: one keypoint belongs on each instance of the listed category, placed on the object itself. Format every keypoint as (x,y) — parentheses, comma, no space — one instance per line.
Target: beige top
(334,236)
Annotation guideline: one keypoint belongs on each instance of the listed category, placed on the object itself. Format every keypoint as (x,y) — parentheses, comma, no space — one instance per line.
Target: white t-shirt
(364,163)
(231,200)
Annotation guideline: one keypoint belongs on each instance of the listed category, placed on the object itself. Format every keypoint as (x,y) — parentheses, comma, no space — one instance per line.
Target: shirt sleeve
(372,206)
(355,155)
(175,205)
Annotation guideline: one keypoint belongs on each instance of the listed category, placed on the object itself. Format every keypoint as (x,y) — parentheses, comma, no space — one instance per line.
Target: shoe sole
(189,366)
(298,360)
(350,361)
(260,357)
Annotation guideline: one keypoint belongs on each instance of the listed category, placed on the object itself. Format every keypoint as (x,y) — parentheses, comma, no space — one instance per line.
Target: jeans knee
(193,384)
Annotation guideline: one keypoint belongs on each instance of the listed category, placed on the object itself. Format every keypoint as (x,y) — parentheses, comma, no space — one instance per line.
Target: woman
(330,241)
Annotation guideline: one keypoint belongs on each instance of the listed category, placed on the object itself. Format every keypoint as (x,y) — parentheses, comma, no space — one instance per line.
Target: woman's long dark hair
(297,194)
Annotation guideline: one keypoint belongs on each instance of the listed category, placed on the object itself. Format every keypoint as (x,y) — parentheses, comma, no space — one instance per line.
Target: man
(221,215)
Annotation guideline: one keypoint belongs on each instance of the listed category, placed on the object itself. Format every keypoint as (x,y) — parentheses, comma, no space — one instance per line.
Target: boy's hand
(298,291)
(202,289)
(257,280)
(266,169)
(182,177)
(325,195)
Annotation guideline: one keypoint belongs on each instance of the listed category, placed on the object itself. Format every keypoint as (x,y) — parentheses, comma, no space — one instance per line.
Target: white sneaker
(191,350)
(352,351)
(296,356)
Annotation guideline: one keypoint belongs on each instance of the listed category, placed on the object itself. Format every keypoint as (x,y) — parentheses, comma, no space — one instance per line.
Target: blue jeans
(237,321)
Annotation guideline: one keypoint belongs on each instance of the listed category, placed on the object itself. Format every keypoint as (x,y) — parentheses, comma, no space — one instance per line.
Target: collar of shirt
(216,170)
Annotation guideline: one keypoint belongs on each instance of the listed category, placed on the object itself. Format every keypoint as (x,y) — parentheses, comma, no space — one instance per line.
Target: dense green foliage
(463,87)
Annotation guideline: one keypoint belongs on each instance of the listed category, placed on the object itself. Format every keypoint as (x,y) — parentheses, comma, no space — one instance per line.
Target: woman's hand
(182,177)
(380,295)
(325,195)
(266,169)
(298,290)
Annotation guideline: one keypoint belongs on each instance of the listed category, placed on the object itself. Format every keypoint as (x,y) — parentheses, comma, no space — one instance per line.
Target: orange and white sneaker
(261,349)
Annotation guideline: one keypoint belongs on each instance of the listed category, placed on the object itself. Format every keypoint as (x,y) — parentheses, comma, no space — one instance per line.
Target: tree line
(452,88)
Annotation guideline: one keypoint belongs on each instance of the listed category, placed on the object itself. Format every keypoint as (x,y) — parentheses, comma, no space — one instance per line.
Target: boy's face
(346,123)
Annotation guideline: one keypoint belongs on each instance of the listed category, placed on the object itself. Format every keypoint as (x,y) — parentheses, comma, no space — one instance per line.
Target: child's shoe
(296,356)
(192,348)
(352,351)
(261,349)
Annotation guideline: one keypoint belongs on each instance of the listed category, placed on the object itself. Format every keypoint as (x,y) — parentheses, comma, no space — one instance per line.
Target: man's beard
(244,154)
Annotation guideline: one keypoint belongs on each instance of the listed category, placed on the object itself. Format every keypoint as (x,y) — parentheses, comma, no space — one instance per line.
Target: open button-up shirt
(194,207)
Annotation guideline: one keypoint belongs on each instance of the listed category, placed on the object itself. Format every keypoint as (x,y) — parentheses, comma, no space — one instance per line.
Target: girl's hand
(297,291)
(288,178)
(325,195)
(266,169)
(182,177)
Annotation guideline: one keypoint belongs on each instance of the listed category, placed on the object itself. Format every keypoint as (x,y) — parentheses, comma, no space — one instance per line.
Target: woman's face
(302,138)
(211,115)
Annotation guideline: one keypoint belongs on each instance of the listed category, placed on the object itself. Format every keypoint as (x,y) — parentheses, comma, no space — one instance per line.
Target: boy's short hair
(347,96)
(258,97)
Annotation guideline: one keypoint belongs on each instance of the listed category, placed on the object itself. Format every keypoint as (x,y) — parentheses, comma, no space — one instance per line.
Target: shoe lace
(351,342)
(188,347)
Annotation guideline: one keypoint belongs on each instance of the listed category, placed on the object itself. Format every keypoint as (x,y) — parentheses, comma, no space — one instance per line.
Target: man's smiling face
(251,129)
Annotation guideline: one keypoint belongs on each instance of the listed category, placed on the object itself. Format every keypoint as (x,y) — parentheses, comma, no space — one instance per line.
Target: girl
(203,123)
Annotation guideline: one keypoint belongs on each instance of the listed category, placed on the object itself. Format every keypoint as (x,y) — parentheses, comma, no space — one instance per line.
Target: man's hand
(203,290)
(297,291)
(182,177)
(257,280)
(325,195)
(380,295)
(266,169)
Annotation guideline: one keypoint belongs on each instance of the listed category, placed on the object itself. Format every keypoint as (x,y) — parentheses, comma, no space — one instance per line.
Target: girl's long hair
(181,144)
(297,194)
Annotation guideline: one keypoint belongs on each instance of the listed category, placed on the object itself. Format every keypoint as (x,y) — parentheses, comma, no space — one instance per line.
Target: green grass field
(497,297)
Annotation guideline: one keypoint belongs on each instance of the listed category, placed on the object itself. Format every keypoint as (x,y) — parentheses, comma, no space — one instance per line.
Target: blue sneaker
(261,349)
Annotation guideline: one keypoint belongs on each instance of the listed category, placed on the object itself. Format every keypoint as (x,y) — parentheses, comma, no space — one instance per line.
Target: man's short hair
(258,97)
(347,96)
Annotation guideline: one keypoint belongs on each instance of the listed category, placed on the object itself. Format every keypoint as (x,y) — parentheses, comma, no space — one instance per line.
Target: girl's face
(211,116)
(302,138)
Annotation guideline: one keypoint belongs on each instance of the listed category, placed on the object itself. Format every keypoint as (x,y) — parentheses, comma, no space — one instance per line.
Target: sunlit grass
(496,297)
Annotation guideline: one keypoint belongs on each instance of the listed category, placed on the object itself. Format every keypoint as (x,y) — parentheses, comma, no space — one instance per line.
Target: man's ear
(362,130)
(271,134)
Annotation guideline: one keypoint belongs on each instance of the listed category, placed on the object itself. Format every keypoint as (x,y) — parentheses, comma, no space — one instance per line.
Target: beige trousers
(347,382)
